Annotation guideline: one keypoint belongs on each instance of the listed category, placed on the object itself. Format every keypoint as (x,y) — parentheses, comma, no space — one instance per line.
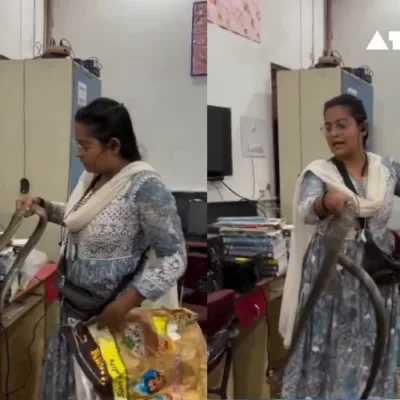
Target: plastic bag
(156,355)
(32,265)
(84,388)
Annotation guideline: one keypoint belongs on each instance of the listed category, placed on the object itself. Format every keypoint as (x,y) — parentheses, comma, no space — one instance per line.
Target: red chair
(216,317)
(194,281)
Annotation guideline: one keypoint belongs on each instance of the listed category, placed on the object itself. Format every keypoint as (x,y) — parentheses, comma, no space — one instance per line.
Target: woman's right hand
(26,203)
(335,202)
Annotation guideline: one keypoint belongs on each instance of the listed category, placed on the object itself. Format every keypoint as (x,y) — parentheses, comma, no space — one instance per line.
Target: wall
(351,40)
(144,47)
(21,26)
(239,77)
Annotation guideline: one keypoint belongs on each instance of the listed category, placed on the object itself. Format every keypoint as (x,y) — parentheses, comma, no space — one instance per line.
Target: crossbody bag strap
(349,183)
(62,266)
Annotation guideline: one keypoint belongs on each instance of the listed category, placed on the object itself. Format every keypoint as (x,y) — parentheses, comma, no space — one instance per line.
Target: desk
(250,361)
(25,330)
(250,354)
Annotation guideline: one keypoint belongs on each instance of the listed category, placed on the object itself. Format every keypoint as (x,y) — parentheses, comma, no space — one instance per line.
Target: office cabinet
(38,100)
(301,98)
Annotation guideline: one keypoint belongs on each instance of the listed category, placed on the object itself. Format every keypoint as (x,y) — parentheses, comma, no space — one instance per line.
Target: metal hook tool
(334,240)
(5,240)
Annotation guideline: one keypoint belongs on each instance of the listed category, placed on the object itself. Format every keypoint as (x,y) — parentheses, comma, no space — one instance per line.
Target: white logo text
(378,43)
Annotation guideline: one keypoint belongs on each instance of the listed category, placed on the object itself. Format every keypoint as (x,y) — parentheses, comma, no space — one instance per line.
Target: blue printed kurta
(334,356)
(107,249)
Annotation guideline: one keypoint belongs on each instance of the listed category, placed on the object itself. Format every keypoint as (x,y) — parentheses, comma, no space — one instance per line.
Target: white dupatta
(76,220)
(302,233)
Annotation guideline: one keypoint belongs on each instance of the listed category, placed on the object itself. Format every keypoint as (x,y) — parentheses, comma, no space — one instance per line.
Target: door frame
(274,68)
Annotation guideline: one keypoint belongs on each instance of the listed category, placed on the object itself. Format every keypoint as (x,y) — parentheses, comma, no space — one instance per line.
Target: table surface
(45,273)
(273,284)
(27,299)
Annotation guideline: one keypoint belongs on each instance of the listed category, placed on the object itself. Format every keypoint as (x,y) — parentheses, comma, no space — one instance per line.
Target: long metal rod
(334,242)
(5,240)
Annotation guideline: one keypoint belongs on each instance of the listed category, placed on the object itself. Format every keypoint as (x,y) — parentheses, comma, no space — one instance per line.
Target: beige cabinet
(38,99)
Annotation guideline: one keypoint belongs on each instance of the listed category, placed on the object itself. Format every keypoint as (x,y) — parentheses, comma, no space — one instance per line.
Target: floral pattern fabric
(334,355)
(109,248)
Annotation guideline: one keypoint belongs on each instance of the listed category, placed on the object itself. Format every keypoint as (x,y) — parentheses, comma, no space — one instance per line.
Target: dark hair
(354,106)
(109,119)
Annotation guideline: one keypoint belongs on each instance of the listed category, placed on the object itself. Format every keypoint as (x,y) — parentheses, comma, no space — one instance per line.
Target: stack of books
(248,237)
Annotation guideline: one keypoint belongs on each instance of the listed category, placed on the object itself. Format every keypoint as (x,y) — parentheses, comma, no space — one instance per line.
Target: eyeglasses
(339,126)
(82,148)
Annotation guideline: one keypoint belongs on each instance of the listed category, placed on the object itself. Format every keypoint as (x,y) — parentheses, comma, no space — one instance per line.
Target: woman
(333,357)
(127,210)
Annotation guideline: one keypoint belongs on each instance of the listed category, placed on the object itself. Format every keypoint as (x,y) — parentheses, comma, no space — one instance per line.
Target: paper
(253,133)
(352,91)
(82,94)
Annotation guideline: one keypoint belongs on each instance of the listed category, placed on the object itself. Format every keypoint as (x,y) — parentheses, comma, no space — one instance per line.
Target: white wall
(351,38)
(239,77)
(144,47)
(21,26)
(351,41)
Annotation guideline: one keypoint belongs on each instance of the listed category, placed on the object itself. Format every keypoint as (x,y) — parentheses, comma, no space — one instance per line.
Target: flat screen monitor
(219,146)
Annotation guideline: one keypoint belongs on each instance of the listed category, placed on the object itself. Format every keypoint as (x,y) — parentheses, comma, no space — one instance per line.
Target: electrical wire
(253,172)
(34,28)
(300,85)
(8,393)
(38,49)
(69,46)
(253,202)
(8,358)
(301,34)
(312,54)
(24,120)
(217,189)
(20,28)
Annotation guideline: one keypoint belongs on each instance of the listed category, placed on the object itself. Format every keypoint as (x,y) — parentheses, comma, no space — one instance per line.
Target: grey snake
(5,240)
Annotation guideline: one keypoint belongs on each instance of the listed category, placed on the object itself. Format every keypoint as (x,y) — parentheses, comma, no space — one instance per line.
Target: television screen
(219,142)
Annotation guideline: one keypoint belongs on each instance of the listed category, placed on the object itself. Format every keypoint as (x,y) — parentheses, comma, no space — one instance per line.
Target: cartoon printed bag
(157,355)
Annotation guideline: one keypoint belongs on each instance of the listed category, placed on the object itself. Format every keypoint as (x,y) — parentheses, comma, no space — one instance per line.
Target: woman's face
(93,155)
(342,132)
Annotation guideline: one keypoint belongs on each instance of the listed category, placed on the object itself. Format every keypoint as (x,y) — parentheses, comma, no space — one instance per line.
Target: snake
(5,240)
(333,242)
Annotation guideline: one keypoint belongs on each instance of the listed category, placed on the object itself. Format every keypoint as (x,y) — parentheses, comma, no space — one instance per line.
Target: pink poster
(239,16)
(199,39)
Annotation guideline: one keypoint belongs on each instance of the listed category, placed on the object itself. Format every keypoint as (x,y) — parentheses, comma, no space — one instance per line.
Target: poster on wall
(242,17)
(199,39)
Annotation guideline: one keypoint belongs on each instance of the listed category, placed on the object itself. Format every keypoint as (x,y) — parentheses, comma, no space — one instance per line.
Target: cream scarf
(302,233)
(77,220)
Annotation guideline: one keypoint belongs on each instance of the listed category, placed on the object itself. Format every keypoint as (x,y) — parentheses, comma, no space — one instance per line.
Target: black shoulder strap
(345,175)
(347,181)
